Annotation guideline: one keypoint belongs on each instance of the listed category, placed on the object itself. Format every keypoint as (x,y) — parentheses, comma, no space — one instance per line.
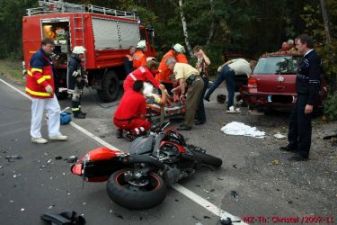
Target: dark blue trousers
(299,135)
(225,74)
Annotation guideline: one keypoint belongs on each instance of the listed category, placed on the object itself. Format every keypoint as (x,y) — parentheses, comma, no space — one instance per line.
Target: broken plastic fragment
(275,162)
(235,195)
(226,221)
(12,158)
(71,159)
(279,136)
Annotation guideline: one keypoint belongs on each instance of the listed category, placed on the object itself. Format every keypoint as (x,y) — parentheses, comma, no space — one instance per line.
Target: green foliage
(312,16)
(330,106)
(11,13)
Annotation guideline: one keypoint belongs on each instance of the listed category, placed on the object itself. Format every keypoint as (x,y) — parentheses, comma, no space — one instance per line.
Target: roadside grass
(11,69)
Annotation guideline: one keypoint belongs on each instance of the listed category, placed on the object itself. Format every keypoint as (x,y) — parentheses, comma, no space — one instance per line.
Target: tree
(326,21)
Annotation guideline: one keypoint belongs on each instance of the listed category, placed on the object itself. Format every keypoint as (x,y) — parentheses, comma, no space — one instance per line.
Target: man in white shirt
(190,85)
(227,72)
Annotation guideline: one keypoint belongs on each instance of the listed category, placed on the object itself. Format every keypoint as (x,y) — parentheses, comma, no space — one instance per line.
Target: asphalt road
(247,185)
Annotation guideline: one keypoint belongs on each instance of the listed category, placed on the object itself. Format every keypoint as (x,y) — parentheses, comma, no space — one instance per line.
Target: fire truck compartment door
(113,34)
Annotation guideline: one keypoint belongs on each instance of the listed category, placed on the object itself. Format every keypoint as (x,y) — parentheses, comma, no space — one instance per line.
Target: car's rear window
(277,65)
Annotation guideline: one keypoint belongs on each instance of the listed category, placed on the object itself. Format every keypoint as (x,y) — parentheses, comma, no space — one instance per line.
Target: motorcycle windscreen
(142,145)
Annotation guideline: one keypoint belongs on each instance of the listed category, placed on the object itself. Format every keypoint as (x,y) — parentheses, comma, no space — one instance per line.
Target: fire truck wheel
(110,87)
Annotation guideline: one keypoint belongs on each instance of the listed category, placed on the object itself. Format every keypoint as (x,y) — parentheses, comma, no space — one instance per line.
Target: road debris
(275,162)
(119,216)
(64,218)
(12,158)
(226,221)
(279,136)
(58,157)
(71,159)
(235,195)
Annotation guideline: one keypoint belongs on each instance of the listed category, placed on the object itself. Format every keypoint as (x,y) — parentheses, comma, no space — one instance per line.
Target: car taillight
(252,82)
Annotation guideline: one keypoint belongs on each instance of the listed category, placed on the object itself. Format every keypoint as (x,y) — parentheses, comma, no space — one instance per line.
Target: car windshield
(276,65)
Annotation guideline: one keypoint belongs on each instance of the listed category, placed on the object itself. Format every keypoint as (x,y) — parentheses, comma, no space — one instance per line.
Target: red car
(273,83)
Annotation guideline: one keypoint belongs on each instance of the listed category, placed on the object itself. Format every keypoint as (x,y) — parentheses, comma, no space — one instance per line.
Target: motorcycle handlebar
(160,127)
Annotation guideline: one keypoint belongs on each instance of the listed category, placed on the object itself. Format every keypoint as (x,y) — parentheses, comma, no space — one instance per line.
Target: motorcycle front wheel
(136,194)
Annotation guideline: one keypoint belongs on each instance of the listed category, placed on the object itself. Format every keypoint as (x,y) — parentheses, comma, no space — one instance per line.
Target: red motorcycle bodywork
(98,164)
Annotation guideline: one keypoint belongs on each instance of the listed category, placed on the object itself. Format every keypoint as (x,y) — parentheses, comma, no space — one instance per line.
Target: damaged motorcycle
(138,179)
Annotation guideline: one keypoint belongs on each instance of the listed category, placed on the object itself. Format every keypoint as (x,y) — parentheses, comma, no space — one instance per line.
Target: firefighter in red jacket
(131,111)
(139,58)
(143,73)
(40,86)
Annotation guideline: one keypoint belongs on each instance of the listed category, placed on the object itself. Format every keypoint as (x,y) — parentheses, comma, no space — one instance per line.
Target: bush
(330,106)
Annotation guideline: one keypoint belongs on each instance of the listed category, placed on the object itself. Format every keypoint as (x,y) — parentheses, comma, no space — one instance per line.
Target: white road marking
(91,135)
(179,188)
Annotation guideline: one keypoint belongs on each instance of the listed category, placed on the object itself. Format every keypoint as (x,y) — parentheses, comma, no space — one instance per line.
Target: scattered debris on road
(71,159)
(226,221)
(12,158)
(275,162)
(58,157)
(279,136)
(235,195)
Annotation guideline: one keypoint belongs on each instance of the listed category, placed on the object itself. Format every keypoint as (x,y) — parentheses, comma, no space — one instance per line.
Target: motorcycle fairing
(98,164)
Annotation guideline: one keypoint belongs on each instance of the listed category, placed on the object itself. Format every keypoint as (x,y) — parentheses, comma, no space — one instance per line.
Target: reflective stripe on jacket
(40,75)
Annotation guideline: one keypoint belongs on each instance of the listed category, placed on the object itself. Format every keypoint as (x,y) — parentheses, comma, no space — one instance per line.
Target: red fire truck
(107,34)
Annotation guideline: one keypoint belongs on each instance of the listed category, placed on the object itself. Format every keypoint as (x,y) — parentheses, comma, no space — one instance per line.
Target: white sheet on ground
(238,128)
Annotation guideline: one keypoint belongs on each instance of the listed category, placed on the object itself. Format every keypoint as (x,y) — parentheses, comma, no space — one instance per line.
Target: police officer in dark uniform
(308,87)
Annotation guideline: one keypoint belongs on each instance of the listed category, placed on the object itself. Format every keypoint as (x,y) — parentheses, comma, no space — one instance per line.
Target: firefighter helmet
(141,44)
(179,48)
(79,50)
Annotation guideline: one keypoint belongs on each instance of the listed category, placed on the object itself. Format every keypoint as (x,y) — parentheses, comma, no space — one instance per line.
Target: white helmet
(79,50)
(179,48)
(141,44)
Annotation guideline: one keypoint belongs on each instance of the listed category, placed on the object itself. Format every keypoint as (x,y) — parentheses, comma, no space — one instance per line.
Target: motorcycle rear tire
(207,159)
(131,199)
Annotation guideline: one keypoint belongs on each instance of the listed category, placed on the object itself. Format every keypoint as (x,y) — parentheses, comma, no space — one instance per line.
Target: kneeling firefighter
(77,79)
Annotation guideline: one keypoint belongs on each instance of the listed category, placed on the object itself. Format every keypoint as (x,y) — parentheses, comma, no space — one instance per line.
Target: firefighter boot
(83,113)
(75,107)
(80,115)
(119,133)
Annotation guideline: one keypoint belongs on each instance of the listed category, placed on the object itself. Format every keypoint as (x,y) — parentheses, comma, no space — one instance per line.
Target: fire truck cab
(107,34)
